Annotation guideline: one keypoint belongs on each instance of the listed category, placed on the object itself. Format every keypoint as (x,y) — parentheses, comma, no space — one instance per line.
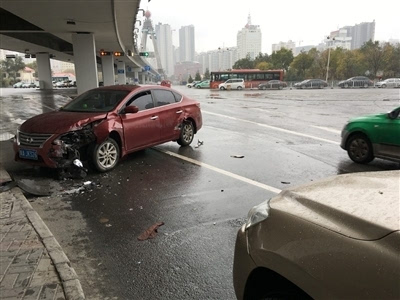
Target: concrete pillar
(44,71)
(121,72)
(143,78)
(85,61)
(107,63)
(136,77)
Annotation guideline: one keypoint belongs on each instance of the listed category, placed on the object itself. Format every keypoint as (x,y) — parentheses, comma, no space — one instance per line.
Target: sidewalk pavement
(32,263)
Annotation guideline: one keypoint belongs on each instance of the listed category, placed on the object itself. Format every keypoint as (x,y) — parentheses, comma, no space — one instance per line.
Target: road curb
(71,284)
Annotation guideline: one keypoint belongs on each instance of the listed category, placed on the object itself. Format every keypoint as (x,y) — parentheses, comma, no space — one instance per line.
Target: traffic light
(104,53)
(144,54)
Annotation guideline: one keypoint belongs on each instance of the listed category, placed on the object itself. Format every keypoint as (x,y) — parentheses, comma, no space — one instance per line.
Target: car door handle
(179,111)
(154,118)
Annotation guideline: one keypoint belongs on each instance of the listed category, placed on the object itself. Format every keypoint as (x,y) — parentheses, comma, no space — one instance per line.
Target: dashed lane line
(273,127)
(221,171)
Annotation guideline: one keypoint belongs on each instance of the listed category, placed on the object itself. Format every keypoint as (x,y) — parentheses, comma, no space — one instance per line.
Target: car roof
(362,205)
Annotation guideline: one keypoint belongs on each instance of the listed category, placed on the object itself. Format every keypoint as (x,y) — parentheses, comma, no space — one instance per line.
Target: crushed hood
(59,121)
(363,206)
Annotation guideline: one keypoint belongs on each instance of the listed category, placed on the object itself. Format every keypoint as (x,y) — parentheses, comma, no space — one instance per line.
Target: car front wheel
(187,134)
(105,156)
(221,88)
(359,149)
(239,87)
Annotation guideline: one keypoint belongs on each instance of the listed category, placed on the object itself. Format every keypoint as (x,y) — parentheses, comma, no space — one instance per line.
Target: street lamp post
(329,58)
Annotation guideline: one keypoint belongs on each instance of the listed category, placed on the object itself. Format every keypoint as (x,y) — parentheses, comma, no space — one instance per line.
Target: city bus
(252,77)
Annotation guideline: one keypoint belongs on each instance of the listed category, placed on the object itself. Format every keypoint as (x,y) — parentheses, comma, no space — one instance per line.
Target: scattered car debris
(32,187)
(151,232)
(199,143)
(108,225)
(103,220)
(285,182)
(7,185)
(237,156)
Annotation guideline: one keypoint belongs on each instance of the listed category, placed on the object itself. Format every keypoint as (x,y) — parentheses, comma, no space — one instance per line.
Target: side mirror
(393,114)
(131,109)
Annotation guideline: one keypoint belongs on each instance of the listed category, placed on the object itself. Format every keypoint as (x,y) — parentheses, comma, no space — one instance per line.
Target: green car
(367,137)
(203,84)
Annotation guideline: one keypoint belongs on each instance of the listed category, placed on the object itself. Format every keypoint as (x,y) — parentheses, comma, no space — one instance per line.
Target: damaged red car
(105,124)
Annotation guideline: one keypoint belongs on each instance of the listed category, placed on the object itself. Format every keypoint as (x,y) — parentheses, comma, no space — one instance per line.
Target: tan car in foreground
(337,238)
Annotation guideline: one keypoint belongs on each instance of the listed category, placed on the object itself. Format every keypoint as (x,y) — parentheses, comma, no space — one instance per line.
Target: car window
(163,97)
(96,100)
(142,100)
(178,97)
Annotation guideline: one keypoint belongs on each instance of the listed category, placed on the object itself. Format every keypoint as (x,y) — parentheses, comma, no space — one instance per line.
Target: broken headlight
(257,214)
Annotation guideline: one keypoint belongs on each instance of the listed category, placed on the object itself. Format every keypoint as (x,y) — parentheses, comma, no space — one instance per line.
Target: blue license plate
(28,154)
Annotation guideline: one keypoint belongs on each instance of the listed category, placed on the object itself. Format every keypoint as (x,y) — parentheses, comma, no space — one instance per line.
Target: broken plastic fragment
(237,156)
(199,143)
(78,163)
(151,232)
(87,183)
(285,182)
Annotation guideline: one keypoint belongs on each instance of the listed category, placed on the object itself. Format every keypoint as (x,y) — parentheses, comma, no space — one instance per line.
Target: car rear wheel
(187,134)
(359,149)
(280,87)
(365,85)
(383,85)
(239,87)
(105,156)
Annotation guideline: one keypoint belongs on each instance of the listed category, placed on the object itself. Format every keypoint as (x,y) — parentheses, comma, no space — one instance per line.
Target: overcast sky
(306,22)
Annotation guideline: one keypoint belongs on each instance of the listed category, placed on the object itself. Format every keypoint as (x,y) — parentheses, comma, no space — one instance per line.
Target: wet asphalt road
(287,138)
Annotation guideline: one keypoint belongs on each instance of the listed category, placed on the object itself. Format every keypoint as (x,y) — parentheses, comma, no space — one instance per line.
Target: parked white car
(18,85)
(390,82)
(233,84)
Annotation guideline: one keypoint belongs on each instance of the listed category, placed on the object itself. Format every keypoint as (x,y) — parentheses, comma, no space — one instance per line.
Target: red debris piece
(151,232)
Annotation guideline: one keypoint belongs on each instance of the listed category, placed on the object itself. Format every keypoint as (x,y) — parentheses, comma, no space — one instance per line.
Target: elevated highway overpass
(78,32)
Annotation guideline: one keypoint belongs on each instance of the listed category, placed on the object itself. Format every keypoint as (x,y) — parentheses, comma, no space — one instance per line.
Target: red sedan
(107,123)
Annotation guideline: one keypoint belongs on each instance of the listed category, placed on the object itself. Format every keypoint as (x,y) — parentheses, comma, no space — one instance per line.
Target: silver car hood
(363,206)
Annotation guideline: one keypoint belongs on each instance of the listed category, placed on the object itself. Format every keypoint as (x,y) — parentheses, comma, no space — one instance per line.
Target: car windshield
(96,101)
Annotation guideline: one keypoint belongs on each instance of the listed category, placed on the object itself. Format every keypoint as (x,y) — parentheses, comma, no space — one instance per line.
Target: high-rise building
(361,33)
(186,43)
(249,40)
(165,48)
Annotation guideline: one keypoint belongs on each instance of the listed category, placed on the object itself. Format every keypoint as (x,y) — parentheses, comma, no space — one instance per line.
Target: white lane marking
(327,129)
(6,136)
(218,170)
(273,127)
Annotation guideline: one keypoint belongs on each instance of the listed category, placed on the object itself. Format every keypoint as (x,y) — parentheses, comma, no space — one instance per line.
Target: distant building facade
(249,40)
(61,66)
(290,45)
(187,68)
(361,33)
(165,48)
(218,60)
(186,43)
